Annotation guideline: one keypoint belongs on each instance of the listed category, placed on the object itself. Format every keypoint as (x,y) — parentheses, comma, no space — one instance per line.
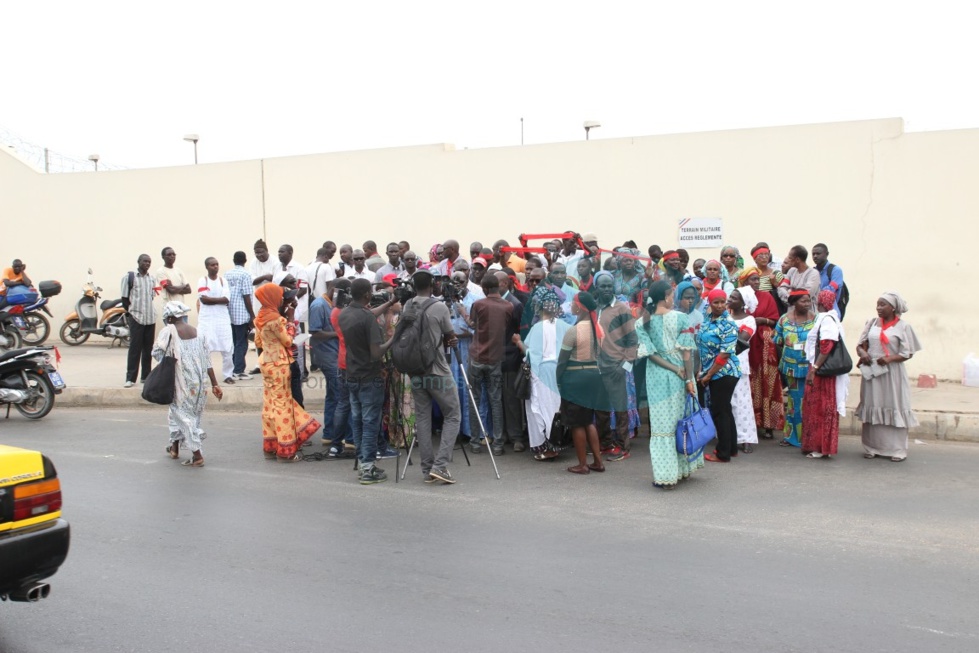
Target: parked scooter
(11,322)
(85,320)
(29,382)
(37,328)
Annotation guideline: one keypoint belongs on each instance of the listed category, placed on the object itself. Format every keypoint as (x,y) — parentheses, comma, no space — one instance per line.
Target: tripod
(475,405)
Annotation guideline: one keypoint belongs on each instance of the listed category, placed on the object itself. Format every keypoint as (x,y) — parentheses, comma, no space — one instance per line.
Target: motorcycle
(85,320)
(11,322)
(37,328)
(29,382)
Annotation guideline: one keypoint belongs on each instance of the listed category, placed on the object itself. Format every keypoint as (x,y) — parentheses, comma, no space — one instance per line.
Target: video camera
(450,294)
(403,290)
(342,298)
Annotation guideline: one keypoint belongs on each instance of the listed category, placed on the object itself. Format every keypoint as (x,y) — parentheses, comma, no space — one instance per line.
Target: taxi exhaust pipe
(31,593)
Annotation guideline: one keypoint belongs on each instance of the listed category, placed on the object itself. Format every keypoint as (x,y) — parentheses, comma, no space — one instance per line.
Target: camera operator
(459,297)
(437,384)
(365,348)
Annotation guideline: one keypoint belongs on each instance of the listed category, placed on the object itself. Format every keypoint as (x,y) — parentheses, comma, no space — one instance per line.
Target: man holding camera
(437,384)
(365,348)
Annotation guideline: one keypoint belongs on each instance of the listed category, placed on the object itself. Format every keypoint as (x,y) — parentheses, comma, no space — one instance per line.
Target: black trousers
(512,410)
(721,391)
(141,339)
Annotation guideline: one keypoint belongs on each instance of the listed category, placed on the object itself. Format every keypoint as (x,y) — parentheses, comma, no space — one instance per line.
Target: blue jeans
(239,336)
(457,367)
(490,377)
(332,400)
(341,425)
(366,405)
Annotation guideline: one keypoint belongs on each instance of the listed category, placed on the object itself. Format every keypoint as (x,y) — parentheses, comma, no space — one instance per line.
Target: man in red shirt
(490,318)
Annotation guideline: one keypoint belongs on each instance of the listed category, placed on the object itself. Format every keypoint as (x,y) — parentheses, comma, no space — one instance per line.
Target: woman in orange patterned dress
(285,425)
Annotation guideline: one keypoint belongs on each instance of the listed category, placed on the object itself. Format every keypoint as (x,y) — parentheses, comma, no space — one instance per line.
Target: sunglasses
(358,258)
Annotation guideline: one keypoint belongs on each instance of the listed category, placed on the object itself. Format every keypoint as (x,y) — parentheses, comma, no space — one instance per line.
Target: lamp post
(94,158)
(193,138)
(590,125)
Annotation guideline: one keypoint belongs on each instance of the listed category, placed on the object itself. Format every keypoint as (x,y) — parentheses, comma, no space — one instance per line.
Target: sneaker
(243,376)
(498,450)
(518,447)
(338,452)
(229,381)
(614,450)
(442,474)
(372,476)
(387,453)
(128,384)
(622,455)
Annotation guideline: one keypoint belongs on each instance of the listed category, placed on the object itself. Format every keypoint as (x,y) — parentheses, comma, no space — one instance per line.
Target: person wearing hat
(193,376)
(886,343)
(479,267)
(437,384)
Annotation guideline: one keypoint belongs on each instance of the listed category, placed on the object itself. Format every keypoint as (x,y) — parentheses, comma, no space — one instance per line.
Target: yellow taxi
(33,536)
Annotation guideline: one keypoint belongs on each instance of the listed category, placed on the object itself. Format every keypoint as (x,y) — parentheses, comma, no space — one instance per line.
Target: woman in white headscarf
(885,393)
(742,302)
(193,377)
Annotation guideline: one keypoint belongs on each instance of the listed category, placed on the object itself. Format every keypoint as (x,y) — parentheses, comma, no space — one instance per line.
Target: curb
(953,427)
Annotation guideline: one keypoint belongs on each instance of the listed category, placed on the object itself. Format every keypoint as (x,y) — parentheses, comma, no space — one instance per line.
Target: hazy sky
(128,79)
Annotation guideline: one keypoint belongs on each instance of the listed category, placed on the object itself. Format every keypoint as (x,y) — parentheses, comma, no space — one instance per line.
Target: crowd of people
(616,343)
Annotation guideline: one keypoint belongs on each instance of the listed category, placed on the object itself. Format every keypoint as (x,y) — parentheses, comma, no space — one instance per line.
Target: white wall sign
(701,232)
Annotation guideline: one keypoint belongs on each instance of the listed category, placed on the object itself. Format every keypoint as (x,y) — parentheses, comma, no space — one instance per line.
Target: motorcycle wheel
(38,329)
(12,334)
(43,400)
(70,334)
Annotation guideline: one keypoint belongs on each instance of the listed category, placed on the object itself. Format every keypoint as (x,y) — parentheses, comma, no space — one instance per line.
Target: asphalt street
(773,552)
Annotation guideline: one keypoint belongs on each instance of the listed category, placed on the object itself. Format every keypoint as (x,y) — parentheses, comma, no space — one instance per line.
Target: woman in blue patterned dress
(667,340)
(720,371)
(791,332)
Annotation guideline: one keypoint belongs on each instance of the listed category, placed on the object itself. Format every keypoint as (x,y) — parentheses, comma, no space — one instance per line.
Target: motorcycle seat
(110,303)
(7,355)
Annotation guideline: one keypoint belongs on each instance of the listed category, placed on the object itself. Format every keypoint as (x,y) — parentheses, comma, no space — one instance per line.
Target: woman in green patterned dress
(667,340)
(791,332)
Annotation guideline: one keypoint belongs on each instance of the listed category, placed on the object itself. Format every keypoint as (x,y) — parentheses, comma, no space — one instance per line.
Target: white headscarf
(750,298)
(895,300)
(175,309)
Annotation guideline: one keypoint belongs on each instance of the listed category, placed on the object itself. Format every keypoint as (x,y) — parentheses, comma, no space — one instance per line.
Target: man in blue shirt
(830,275)
(325,353)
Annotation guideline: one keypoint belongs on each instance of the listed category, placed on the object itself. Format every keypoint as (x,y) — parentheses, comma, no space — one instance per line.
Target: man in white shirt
(288,267)
(320,273)
(173,283)
(359,269)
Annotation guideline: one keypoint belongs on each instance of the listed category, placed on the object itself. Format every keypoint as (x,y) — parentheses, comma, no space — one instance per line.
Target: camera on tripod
(450,293)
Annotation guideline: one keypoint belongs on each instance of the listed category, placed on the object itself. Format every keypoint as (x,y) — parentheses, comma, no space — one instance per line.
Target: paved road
(770,553)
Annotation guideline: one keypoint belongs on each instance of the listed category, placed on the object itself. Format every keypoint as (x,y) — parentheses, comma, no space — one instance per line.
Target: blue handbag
(694,430)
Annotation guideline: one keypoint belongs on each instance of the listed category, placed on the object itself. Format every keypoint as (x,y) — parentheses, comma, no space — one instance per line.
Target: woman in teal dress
(791,332)
(666,339)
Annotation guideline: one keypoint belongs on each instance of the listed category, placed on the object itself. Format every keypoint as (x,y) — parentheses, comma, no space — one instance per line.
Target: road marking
(942,632)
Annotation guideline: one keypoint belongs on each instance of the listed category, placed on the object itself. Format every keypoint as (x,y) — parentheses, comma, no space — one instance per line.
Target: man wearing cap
(437,384)
(479,266)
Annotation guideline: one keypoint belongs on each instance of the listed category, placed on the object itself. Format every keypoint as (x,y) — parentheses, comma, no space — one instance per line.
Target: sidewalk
(95,374)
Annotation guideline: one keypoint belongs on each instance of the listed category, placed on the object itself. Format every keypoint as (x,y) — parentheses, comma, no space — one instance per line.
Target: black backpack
(412,353)
(844,292)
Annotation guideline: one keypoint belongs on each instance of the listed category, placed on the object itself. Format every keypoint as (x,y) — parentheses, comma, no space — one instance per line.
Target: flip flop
(173,454)
(784,442)
(579,470)
(714,459)
(596,468)
(193,463)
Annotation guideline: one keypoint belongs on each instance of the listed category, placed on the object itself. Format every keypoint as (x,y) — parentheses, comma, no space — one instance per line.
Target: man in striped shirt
(138,291)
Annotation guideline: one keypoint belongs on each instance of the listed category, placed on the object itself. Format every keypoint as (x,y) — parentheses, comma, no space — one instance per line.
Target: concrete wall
(897,210)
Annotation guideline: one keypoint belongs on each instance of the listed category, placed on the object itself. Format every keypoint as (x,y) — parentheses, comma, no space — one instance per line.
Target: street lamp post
(94,158)
(590,125)
(193,138)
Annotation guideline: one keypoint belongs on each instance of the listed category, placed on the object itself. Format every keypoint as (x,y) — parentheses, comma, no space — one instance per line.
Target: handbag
(160,384)
(521,384)
(694,430)
(838,362)
(560,435)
